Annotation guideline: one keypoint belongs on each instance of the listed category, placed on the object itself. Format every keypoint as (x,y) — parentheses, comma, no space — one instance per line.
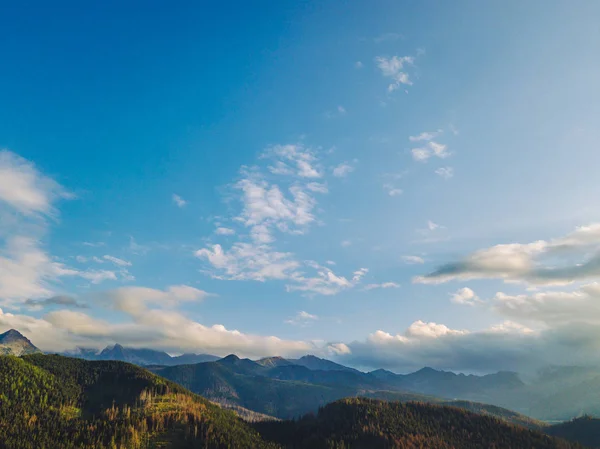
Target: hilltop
(50,401)
(368,423)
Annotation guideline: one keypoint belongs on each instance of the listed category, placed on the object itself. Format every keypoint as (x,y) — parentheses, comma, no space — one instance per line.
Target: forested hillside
(367,423)
(585,430)
(55,402)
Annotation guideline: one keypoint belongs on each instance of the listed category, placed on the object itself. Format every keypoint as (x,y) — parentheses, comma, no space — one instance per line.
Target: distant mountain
(13,342)
(272,362)
(240,382)
(367,423)
(188,359)
(141,357)
(288,391)
(451,385)
(315,363)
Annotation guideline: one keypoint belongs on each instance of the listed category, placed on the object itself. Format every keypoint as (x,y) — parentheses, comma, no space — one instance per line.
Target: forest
(56,402)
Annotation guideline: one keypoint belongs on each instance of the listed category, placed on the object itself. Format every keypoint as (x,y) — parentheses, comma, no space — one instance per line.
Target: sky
(394,185)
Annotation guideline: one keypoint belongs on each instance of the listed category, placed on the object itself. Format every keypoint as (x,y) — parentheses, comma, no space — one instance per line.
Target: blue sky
(355,164)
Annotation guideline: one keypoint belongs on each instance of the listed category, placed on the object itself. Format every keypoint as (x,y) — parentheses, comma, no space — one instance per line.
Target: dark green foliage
(585,430)
(55,402)
(367,423)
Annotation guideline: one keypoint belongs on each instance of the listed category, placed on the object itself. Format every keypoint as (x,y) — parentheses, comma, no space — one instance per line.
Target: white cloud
(117,261)
(267,207)
(346,243)
(358,65)
(465,296)
(432,226)
(25,189)
(156,328)
(97,276)
(552,307)
(384,285)
(445,172)
(180,202)
(359,274)
(411,260)
(286,156)
(422,154)
(342,170)
(425,136)
(501,347)
(317,187)
(339,349)
(574,257)
(391,190)
(94,244)
(134,300)
(394,68)
(302,318)
(245,261)
(224,231)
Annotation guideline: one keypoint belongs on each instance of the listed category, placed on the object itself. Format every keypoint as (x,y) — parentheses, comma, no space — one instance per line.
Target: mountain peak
(230,358)
(15,343)
(11,335)
(310,357)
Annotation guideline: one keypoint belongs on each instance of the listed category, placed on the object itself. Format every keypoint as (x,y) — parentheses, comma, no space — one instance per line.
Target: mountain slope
(315,363)
(236,382)
(49,401)
(585,430)
(13,342)
(367,423)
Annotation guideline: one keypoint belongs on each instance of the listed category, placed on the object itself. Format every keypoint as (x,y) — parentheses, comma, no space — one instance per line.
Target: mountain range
(141,357)
(286,388)
(68,403)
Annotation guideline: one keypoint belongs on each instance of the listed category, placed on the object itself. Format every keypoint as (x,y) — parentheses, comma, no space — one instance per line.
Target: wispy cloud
(302,319)
(25,189)
(344,169)
(411,260)
(117,261)
(180,202)
(384,285)
(445,172)
(391,190)
(395,69)
(224,231)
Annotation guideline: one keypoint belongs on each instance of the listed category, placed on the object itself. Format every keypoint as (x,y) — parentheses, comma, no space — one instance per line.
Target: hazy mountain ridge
(556,393)
(139,356)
